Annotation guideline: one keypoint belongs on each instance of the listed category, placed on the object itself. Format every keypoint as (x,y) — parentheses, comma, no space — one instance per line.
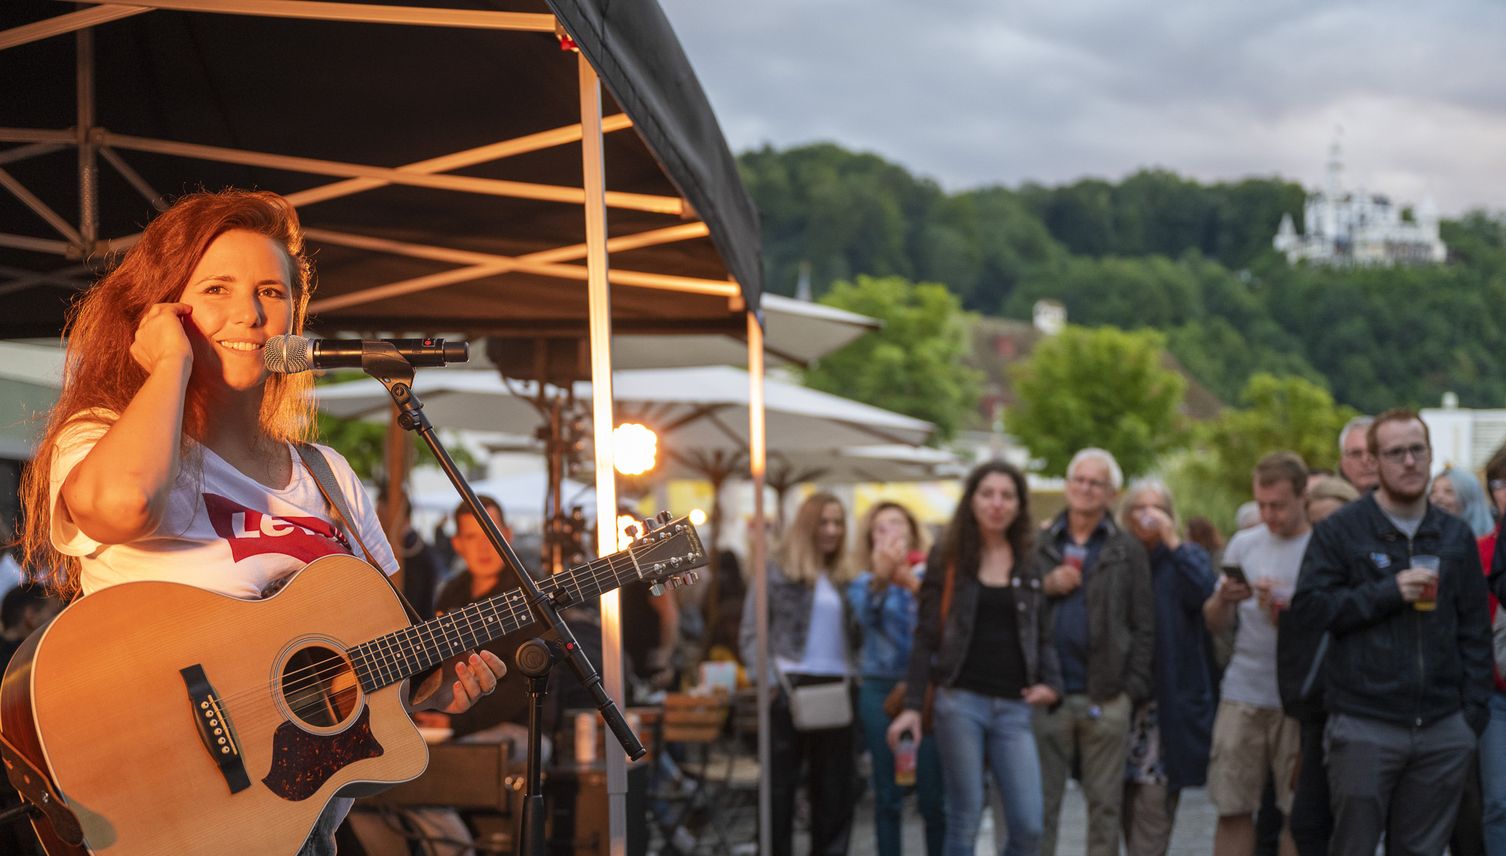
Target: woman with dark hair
(171,447)
(984,642)
(882,598)
(811,641)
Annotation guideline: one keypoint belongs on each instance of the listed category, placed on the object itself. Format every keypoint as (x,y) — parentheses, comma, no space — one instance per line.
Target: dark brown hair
(1282,467)
(963,541)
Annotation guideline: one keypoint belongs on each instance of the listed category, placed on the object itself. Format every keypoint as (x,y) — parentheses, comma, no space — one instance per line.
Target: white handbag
(818,707)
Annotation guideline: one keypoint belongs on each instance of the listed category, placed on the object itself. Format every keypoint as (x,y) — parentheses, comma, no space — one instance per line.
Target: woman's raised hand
(888,556)
(161,337)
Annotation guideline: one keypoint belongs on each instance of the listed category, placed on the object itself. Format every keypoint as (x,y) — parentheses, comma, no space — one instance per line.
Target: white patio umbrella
(697,408)
(30,377)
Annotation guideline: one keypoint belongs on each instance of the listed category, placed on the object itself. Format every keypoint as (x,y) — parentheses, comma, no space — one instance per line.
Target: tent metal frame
(79,242)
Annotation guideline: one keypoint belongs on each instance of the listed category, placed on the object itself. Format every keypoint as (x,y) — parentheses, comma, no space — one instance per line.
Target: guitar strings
(307,681)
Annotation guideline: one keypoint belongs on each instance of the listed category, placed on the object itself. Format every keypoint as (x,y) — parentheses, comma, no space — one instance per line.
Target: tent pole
(756,463)
(88,164)
(594,175)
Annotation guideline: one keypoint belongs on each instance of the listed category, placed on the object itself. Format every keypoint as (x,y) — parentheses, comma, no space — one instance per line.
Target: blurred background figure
(809,644)
(1328,495)
(1457,491)
(883,598)
(1171,732)
(984,643)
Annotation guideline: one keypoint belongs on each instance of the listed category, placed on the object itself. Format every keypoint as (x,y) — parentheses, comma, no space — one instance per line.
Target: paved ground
(1193,835)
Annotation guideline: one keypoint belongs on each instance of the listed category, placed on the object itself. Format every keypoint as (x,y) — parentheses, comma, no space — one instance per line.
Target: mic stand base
(535,658)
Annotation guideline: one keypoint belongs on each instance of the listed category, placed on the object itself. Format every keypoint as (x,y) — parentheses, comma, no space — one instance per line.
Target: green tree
(1279,413)
(1097,387)
(913,365)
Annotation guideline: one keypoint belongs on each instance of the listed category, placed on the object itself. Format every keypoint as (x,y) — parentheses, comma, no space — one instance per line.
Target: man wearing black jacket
(1408,667)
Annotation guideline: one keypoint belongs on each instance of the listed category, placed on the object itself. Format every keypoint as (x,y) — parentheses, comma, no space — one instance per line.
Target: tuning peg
(691,577)
(650,524)
(656,589)
(632,531)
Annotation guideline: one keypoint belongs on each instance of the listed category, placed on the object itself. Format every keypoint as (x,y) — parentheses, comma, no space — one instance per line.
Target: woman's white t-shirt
(222,531)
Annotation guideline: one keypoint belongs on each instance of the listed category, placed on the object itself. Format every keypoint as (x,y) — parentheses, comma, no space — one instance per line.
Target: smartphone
(1235,573)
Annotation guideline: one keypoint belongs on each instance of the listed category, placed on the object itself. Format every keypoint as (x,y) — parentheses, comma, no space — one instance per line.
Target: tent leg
(594,175)
(88,163)
(757,460)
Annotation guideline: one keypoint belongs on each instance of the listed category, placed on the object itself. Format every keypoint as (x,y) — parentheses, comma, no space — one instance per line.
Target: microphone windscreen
(288,354)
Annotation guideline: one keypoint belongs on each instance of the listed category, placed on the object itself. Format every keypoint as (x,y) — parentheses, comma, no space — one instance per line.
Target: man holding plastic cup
(1397,583)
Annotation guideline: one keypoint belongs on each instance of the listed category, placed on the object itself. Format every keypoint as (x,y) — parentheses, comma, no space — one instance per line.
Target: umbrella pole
(593,173)
(756,464)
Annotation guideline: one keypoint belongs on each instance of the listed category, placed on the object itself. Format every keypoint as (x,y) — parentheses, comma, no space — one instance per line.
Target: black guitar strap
(318,467)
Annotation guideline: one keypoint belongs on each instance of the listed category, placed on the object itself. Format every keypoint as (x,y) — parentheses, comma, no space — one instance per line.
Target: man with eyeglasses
(1356,463)
(1253,738)
(1105,638)
(1397,583)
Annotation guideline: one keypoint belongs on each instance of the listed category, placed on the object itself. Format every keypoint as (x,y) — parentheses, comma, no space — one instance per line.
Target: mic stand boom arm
(384,363)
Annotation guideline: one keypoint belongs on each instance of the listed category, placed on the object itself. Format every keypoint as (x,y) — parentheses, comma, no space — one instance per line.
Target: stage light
(697,517)
(634,448)
(625,538)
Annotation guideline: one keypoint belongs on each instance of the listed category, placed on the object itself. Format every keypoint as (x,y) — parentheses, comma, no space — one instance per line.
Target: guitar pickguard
(303,762)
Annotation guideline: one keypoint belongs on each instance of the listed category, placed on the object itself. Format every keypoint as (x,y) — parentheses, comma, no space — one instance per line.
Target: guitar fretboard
(388,659)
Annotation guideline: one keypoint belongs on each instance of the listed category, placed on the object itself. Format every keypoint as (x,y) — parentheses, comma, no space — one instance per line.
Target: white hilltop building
(1357,228)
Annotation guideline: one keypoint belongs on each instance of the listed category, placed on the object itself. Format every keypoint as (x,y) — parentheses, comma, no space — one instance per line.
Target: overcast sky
(976,92)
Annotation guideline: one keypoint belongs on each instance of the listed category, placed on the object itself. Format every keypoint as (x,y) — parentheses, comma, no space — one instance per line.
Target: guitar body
(124,698)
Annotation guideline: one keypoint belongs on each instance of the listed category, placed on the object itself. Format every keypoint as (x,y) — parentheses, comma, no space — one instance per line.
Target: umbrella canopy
(30,377)
(796,333)
(691,409)
(434,154)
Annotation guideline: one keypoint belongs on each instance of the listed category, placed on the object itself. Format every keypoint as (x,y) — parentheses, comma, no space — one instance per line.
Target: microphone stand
(382,361)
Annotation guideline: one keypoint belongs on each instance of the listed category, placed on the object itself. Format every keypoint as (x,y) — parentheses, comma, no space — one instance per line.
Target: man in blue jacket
(1397,582)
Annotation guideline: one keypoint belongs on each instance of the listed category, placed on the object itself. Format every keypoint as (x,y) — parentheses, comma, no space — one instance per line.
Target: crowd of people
(1328,674)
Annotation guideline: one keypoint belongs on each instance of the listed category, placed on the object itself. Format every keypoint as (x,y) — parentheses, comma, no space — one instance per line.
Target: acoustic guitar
(172,721)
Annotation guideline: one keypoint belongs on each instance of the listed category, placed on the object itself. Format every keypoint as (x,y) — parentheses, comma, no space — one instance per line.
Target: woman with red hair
(169,455)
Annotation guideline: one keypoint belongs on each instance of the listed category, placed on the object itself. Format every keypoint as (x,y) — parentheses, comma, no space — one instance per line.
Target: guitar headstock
(668,552)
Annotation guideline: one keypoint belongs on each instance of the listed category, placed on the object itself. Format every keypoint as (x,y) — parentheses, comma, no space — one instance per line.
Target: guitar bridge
(214,728)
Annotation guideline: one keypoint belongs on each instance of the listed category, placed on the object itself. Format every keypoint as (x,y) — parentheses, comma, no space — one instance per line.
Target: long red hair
(101,326)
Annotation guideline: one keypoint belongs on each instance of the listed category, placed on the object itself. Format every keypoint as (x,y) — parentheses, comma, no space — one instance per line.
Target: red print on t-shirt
(253,533)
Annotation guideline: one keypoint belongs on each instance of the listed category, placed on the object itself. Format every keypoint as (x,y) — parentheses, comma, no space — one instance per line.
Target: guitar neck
(416,649)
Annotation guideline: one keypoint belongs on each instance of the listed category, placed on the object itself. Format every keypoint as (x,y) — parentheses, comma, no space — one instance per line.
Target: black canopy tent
(436,165)
(440,154)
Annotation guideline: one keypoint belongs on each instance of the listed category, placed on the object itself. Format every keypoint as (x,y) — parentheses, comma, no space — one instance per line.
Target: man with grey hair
(1356,464)
(1105,638)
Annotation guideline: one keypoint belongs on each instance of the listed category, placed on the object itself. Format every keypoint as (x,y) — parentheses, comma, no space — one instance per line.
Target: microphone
(289,354)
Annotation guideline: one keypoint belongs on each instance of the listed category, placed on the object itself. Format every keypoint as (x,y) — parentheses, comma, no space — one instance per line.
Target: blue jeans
(1493,776)
(974,729)
(889,798)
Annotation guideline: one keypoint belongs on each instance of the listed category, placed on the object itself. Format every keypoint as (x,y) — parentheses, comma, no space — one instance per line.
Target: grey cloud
(972,92)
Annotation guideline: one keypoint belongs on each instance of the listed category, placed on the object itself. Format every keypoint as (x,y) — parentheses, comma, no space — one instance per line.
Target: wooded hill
(1155,250)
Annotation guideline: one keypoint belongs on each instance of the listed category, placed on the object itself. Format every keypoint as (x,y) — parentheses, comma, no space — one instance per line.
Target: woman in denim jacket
(811,641)
(883,600)
(992,662)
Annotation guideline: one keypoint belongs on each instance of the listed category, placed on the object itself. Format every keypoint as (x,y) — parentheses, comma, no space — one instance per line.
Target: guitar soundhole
(319,687)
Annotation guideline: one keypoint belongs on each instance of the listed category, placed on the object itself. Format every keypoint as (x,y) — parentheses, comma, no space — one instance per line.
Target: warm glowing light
(697,517)
(634,448)
(624,538)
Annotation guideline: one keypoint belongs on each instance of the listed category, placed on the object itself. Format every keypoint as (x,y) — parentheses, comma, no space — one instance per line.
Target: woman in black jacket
(984,641)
